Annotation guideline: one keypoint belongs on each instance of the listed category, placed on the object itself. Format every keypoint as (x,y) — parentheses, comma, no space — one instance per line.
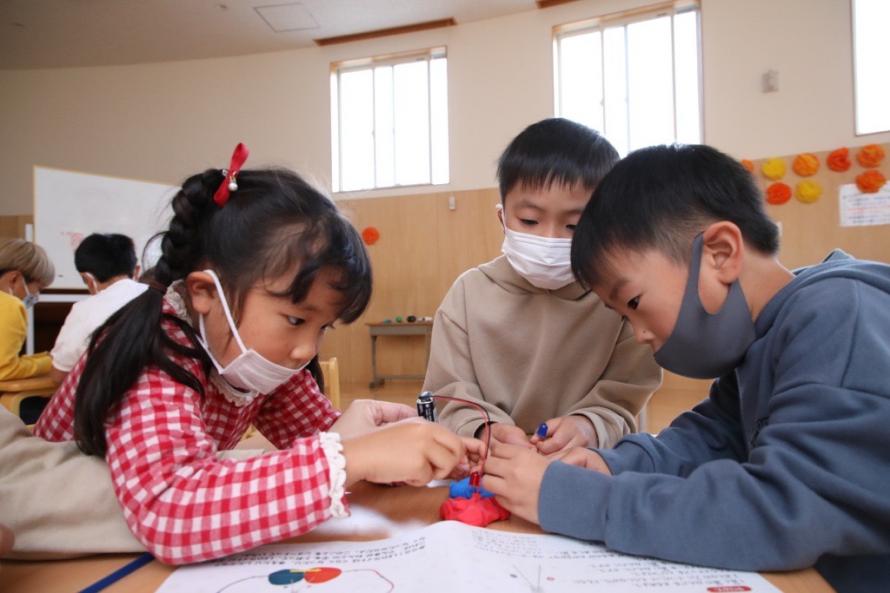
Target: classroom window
(633,77)
(871,54)
(389,121)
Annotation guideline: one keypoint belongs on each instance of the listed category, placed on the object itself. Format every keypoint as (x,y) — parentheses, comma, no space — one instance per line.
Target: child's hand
(366,415)
(581,457)
(514,473)
(414,453)
(507,434)
(566,432)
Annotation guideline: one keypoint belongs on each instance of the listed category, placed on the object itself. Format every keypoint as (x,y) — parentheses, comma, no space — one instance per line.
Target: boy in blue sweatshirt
(784,466)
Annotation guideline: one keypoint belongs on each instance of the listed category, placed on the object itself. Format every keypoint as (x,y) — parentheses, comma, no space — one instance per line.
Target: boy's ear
(723,252)
(499,208)
(202,291)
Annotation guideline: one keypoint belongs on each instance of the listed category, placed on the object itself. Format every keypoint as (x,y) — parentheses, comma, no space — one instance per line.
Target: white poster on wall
(861,209)
(69,205)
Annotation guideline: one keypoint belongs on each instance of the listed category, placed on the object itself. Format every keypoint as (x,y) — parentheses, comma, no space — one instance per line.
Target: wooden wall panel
(13,227)
(811,231)
(423,248)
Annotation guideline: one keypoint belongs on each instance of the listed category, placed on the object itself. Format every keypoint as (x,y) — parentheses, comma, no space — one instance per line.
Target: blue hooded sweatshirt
(786,464)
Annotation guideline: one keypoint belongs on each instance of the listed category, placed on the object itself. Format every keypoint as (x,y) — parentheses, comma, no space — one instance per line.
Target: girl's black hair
(660,197)
(273,224)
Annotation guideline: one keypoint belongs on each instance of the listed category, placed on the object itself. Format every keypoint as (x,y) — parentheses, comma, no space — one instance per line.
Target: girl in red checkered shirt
(254,271)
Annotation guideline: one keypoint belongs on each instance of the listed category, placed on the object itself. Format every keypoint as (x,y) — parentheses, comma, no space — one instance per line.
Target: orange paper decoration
(370,235)
(778,193)
(871,181)
(808,191)
(805,164)
(748,165)
(839,160)
(773,168)
(870,155)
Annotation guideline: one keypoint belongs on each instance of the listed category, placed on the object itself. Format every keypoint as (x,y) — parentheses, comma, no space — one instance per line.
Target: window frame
(622,19)
(370,63)
(856,92)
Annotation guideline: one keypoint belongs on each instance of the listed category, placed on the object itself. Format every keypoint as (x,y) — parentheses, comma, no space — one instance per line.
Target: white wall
(161,122)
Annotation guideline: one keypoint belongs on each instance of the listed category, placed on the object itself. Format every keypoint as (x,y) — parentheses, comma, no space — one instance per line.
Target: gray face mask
(702,345)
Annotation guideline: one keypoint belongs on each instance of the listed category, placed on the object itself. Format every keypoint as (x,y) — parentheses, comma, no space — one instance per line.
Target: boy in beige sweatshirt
(518,335)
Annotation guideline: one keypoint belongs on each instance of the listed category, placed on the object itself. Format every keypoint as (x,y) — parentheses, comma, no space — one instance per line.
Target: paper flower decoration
(871,181)
(805,164)
(808,191)
(870,155)
(773,169)
(370,235)
(748,164)
(839,160)
(778,193)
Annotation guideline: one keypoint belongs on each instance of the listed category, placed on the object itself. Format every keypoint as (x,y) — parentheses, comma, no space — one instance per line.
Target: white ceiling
(61,33)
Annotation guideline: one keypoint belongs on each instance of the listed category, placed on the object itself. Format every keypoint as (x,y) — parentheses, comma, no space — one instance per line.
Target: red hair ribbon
(228,183)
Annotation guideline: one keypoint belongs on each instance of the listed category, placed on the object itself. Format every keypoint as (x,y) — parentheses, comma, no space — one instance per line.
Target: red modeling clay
(475,510)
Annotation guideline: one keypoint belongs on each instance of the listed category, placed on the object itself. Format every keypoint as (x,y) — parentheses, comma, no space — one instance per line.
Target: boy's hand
(566,432)
(507,434)
(367,415)
(411,452)
(581,457)
(514,473)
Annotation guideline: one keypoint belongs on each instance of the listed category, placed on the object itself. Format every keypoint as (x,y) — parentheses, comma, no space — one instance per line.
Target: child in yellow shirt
(25,270)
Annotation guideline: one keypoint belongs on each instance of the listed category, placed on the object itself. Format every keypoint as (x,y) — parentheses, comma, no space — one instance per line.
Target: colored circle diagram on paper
(315,576)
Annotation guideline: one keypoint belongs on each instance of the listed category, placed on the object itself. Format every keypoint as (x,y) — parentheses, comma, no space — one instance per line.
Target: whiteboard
(68,206)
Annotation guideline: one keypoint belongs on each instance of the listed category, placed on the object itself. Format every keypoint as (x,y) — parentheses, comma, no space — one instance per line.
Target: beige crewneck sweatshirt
(529,354)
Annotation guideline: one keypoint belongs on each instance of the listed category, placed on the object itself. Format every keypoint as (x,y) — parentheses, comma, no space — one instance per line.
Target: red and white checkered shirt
(182,501)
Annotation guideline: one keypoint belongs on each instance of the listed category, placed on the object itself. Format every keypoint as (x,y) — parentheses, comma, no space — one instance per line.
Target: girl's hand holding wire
(411,452)
(367,415)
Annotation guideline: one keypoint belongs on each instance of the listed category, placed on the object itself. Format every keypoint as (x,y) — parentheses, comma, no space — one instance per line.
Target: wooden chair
(16,391)
(330,370)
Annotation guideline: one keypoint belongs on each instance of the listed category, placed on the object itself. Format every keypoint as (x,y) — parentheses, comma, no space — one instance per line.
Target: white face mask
(31,298)
(546,262)
(250,371)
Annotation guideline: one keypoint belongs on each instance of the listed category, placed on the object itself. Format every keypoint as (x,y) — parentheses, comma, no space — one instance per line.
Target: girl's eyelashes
(571,227)
(633,303)
(528,221)
(295,321)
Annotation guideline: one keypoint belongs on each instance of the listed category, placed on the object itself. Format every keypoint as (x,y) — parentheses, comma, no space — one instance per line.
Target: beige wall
(809,43)
(164,121)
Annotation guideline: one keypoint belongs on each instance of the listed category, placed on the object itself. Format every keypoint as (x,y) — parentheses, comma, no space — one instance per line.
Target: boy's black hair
(274,224)
(555,150)
(106,256)
(660,198)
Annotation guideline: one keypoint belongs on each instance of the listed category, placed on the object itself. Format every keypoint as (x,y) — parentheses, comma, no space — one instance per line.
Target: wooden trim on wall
(549,3)
(438,24)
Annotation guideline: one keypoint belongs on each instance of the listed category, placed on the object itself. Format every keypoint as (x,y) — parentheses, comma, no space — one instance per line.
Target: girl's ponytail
(133,338)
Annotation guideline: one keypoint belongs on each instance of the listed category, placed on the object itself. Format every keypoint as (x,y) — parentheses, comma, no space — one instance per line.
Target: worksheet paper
(451,557)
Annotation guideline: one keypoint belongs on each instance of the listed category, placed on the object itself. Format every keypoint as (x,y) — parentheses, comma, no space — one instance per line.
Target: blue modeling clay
(462,489)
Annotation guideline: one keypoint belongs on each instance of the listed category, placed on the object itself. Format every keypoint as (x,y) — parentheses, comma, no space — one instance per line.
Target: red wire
(487,424)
